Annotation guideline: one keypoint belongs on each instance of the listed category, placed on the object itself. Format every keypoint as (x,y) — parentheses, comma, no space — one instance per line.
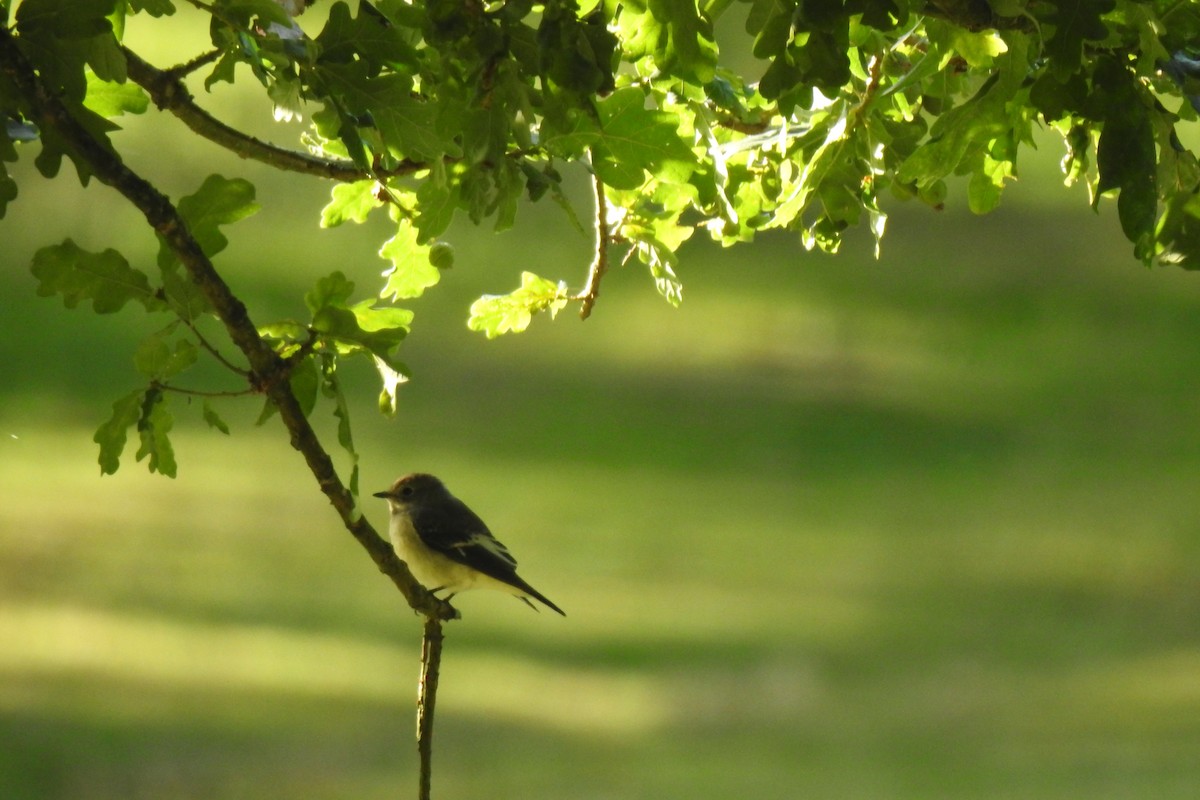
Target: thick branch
(268,373)
(169,93)
(431,661)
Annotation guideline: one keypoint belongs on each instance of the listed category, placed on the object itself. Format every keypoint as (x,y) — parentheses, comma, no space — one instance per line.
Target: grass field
(922,528)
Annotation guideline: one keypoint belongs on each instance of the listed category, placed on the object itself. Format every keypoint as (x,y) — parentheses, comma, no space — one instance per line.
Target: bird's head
(413,489)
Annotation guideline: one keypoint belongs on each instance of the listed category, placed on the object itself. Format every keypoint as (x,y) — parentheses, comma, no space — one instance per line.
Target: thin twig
(166,387)
(213,351)
(181,71)
(431,661)
(599,265)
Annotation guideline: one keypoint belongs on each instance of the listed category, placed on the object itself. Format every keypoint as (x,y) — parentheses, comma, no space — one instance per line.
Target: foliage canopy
(426,110)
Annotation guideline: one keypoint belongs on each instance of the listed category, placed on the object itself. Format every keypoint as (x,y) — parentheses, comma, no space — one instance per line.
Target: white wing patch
(489,543)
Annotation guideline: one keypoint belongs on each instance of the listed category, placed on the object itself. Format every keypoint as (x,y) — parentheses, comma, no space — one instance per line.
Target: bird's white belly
(434,570)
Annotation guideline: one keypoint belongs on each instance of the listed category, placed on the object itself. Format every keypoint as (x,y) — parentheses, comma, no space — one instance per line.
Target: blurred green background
(917,528)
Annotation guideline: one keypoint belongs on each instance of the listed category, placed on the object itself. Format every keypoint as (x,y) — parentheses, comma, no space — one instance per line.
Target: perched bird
(446,545)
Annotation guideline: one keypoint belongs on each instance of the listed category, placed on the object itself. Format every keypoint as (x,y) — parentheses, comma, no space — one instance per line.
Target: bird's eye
(406,491)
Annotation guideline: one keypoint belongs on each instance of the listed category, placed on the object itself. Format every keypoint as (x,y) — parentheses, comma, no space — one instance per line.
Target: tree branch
(169,93)
(431,661)
(591,292)
(268,373)
(181,71)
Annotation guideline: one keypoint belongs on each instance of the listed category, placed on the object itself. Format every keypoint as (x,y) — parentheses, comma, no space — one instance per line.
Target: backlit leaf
(411,272)
(104,278)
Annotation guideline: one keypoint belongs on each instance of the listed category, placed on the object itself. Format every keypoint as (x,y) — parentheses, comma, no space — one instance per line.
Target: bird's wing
(458,533)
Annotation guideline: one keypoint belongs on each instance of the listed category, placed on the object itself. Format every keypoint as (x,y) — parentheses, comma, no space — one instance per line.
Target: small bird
(446,545)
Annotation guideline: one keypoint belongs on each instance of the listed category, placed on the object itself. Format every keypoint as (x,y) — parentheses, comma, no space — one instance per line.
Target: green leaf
(333,290)
(219,201)
(576,54)
(436,201)
(185,298)
(331,387)
(771,23)
(405,121)
(288,333)
(388,318)
(978,49)
(305,380)
(67,19)
(661,260)
(1125,157)
(104,278)
(157,360)
(154,425)
(358,328)
(635,139)
(1074,21)
(568,133)
(973,124)
(110,99)
(105,58)
(213,419)
(817,165)
(286,94)
(673,33)
(111,435)
(411,272)
(511,313)
(987,183)
(1178,232)
(155,8)
(351,202)
(369,36)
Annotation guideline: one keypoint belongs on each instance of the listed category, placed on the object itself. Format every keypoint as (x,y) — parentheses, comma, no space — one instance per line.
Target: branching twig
(214,352)
(431,659)
(169,93)
(599,266)
(267,369)
(181,71)
(166,387)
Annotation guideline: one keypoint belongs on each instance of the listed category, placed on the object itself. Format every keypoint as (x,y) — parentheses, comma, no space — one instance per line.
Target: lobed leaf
(110,99)
(635,140)
(104,278)
(351,202)
(157,360)
(411,272)
(511,313)
(111,435)
(154,425)
(213,420)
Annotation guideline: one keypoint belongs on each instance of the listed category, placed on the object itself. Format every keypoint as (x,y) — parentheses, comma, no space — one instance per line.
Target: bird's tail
(535,594)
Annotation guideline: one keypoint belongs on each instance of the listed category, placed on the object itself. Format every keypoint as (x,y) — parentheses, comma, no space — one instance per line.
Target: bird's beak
(384,495)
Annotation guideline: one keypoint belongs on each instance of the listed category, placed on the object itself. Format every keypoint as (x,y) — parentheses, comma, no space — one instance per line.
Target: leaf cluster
(428,111)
